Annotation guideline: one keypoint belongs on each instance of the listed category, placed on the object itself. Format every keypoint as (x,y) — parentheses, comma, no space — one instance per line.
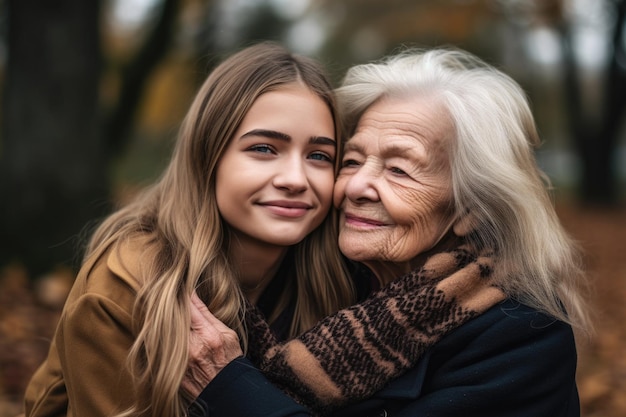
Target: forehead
(292,108)
(417,125)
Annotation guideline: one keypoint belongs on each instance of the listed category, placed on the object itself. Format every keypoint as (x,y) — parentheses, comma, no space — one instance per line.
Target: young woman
(439,178)
(243,211)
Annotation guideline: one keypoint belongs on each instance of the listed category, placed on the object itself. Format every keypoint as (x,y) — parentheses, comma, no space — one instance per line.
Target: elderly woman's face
(394,187)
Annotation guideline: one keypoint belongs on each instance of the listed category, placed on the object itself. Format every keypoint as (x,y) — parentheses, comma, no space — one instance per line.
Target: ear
(464,224)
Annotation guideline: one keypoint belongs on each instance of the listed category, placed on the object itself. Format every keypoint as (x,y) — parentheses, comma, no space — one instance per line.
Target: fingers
(200,315)
(196,301)
(198,319)
(212,345)
(210,330)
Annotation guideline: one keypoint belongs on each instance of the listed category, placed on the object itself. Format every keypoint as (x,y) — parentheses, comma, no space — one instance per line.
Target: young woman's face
(275,179)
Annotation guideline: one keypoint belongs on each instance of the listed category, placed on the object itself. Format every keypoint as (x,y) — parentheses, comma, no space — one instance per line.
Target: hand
(212,345)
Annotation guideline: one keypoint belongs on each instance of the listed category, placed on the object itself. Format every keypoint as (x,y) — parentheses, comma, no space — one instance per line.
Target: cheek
(339,191)
(409,207)
(324,184)
(221,185)
(420,213)
(419,205)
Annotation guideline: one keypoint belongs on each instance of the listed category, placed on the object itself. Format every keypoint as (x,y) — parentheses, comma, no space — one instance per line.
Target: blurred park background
(93,92)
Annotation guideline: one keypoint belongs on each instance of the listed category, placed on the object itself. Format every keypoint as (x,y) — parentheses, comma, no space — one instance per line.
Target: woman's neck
(386,272)
(256,264)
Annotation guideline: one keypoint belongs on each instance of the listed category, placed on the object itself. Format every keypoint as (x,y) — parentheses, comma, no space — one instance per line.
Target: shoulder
(512,357)
(130,260)
(511,332)
(510,361)
(127,261)
(114,274)
(513,319)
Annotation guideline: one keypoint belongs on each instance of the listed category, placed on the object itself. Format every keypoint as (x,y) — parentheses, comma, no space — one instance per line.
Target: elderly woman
(476,284)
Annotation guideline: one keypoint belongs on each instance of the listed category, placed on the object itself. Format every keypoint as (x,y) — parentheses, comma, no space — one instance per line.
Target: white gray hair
(495,177)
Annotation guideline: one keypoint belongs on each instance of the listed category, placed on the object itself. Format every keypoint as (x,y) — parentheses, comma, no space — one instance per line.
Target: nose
(292,176)
(362,185)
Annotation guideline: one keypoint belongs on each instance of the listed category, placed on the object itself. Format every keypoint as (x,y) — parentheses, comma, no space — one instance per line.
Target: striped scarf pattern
(350,355)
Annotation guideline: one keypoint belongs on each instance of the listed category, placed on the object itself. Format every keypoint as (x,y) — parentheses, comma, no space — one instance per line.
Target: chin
(284,241)
(355,253)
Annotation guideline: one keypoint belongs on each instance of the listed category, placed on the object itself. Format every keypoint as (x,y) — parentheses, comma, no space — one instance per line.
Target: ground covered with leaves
(29,312)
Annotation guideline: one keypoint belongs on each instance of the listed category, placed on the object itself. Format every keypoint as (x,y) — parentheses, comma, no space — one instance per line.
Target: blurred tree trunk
(56,145)
(135,75)
(614,104)
(596,140)
(52,167)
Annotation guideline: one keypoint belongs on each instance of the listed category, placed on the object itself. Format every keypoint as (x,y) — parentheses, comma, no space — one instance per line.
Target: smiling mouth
(358,221)
(286,204)
(292,209)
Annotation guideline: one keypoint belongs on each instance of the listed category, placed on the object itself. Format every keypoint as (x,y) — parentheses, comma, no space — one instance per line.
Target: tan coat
(85,373)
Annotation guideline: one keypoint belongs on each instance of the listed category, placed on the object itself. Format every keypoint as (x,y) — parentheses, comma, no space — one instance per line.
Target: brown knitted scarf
(352,354)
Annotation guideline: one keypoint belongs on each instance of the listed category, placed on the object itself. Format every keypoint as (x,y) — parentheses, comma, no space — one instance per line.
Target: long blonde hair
(495,177)
(187,237)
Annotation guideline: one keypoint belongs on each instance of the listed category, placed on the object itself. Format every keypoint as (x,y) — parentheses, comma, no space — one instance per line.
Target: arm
(349,356)
(212,345)
(354,353)
(222,381)
(240,390)
(84,370)
(93,340)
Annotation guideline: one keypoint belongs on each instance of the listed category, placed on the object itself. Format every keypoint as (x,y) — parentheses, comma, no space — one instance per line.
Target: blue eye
(261,149)
(321,156)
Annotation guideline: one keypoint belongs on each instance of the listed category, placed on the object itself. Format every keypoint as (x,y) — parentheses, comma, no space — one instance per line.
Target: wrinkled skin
(394,187)
(212,345)
(394,195)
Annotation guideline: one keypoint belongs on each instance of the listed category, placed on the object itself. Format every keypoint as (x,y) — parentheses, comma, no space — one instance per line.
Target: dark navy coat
(511,361)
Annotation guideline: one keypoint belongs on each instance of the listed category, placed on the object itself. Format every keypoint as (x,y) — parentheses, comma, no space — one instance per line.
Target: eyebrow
(389,150)
(273,134)
(350,146)
(399,150)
